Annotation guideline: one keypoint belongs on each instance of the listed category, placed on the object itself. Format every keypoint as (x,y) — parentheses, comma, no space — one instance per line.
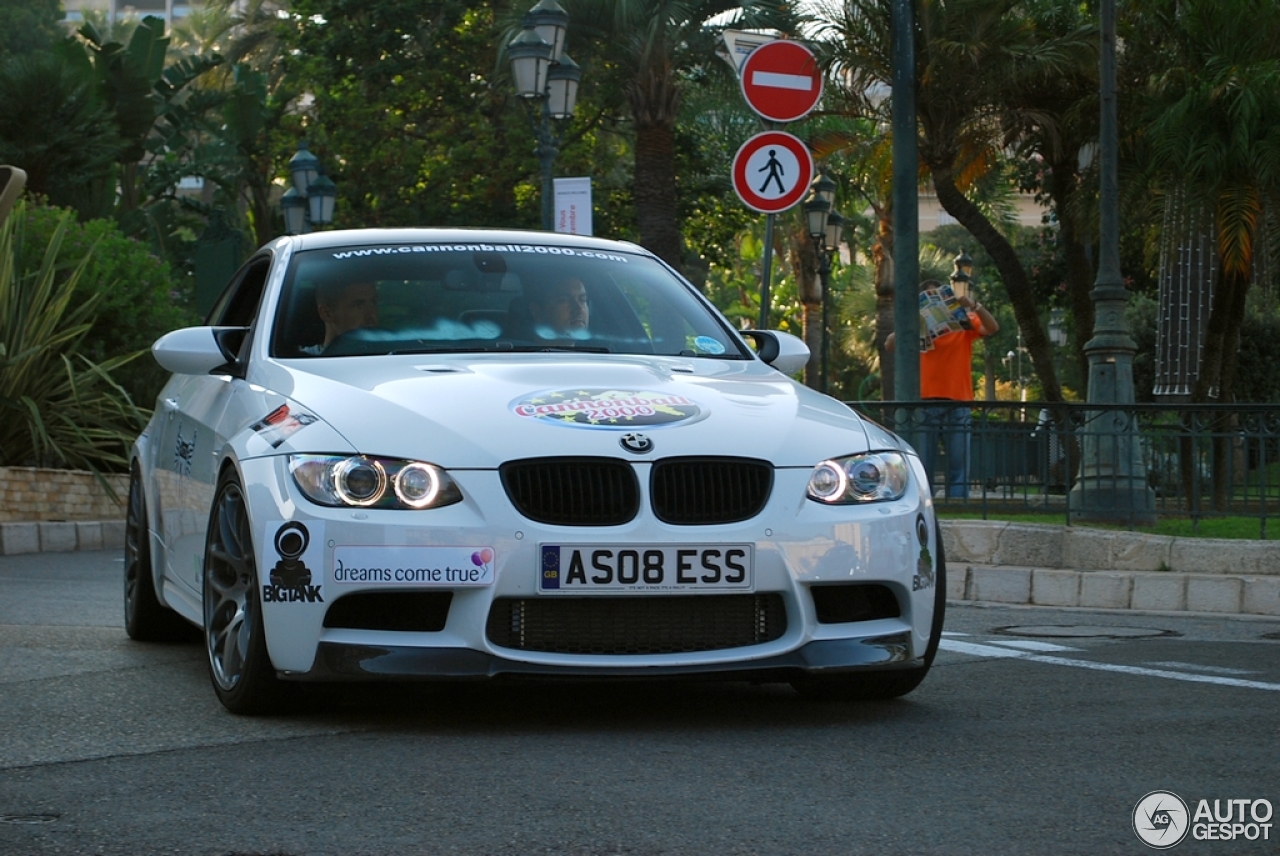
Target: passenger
(345,306)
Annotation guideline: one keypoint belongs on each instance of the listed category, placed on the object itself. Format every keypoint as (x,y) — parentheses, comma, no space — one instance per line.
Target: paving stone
(1027,546)
(1000,585)
(1214,594)
(1138,551)
(1086,549)
(1105,589)
(18,538)
(57,536)
(1165,592)
(971,540)
(1261,596)
(88,536)
(1055,587)
(112,534)
(957,581)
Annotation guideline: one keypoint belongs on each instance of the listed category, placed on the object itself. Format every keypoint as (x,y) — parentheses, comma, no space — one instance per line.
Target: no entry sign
(772,171)
(781,81)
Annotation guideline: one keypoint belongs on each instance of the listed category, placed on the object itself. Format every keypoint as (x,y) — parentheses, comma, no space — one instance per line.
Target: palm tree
(1210,136)
(648,49)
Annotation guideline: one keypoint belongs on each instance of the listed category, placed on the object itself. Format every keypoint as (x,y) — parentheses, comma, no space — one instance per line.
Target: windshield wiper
(536,349)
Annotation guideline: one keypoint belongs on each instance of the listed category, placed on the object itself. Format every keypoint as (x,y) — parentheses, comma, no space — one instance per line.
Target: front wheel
(241,671)
(874,686)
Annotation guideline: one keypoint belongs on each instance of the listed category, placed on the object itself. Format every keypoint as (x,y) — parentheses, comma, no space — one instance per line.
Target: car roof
(373,237)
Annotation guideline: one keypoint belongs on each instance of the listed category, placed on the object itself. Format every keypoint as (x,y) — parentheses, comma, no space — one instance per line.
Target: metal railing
(1198,461)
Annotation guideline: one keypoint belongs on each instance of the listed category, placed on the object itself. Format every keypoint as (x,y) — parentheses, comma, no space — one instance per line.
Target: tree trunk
(1016,282)
(804,261)
(654,99)
(882,258)
(1079,273)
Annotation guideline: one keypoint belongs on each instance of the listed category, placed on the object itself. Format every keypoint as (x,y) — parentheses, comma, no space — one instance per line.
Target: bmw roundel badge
(637,443)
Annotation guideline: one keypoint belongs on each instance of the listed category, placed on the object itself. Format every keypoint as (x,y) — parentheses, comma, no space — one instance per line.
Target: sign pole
(766,274)
(782,82)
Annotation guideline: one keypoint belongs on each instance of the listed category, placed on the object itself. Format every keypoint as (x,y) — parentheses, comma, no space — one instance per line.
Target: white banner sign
(573,205)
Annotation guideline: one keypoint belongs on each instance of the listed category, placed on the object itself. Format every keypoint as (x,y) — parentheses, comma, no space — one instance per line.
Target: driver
(563,307)
(346,306)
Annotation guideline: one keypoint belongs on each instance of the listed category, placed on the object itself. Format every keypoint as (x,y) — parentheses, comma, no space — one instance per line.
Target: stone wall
(37,494)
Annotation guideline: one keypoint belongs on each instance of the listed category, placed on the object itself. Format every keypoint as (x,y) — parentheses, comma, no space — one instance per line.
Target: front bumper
(337,661)
(798,544)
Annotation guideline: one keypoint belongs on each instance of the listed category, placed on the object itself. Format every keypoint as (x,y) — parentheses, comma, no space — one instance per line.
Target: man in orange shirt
(946,374)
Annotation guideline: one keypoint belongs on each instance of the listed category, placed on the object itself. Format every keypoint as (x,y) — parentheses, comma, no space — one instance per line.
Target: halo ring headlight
(360,481)
(828,481)
(417,485)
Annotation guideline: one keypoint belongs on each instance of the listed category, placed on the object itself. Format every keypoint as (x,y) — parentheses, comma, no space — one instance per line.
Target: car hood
(479,411)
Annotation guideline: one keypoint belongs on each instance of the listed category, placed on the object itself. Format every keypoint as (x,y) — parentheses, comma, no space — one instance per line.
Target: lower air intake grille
(636,625)
(705,491)
(421,611)
(844,602)
(572,491)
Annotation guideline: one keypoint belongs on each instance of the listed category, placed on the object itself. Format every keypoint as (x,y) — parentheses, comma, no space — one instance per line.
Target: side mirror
(784,352)
(199,350)
(12,180)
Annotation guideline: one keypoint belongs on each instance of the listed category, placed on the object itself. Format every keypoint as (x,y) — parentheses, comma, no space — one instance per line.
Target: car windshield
(458,298)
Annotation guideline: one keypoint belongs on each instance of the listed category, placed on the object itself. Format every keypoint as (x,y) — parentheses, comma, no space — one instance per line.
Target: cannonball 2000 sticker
(607,408)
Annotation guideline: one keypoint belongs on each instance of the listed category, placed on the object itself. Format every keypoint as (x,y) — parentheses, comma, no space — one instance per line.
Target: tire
(239,667)
(878,686)
(145,618)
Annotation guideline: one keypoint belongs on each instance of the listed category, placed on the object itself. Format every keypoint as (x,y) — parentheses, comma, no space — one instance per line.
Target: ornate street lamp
(546,80)
(825,228)
(311,200)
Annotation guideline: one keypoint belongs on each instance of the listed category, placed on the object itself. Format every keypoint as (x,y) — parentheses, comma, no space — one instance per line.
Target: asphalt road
(1037,732)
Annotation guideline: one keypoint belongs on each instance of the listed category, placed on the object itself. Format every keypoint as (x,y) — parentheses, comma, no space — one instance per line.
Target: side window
(238,305)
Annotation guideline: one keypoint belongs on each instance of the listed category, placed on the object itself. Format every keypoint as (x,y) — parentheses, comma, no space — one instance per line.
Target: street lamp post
(546,80)
(825,228)
(1111,486)
(311,200)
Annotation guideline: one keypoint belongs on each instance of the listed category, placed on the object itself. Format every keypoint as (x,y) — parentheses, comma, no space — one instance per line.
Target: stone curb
(1224,594)
(60,536)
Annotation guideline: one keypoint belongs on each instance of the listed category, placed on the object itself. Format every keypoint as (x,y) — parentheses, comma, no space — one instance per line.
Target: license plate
(613,569)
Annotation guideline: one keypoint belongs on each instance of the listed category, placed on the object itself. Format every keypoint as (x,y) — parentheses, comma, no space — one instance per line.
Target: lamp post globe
(551,22)
(311,200)
(562,87)
(304,167)
(530,58)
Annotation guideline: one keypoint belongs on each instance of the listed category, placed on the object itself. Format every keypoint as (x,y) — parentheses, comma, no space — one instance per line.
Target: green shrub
(57,406)
(139,299)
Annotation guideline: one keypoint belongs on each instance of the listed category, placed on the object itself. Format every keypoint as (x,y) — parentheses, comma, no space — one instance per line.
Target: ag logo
(1160,819)
(637,443)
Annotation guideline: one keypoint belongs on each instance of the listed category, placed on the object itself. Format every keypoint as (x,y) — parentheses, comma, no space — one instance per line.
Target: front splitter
(344,662)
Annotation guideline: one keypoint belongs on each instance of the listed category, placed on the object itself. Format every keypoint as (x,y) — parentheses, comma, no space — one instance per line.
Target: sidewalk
(987,562)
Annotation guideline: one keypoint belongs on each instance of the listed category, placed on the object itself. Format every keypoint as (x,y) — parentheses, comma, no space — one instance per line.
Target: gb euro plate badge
(612,569)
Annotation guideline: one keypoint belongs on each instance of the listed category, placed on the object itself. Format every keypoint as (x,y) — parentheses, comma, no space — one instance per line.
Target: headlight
(366,482)
(872,477)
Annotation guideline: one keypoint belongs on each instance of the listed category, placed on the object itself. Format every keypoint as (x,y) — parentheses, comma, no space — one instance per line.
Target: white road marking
(1031,645)
(1196,667)
(800,82)
(977,650)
